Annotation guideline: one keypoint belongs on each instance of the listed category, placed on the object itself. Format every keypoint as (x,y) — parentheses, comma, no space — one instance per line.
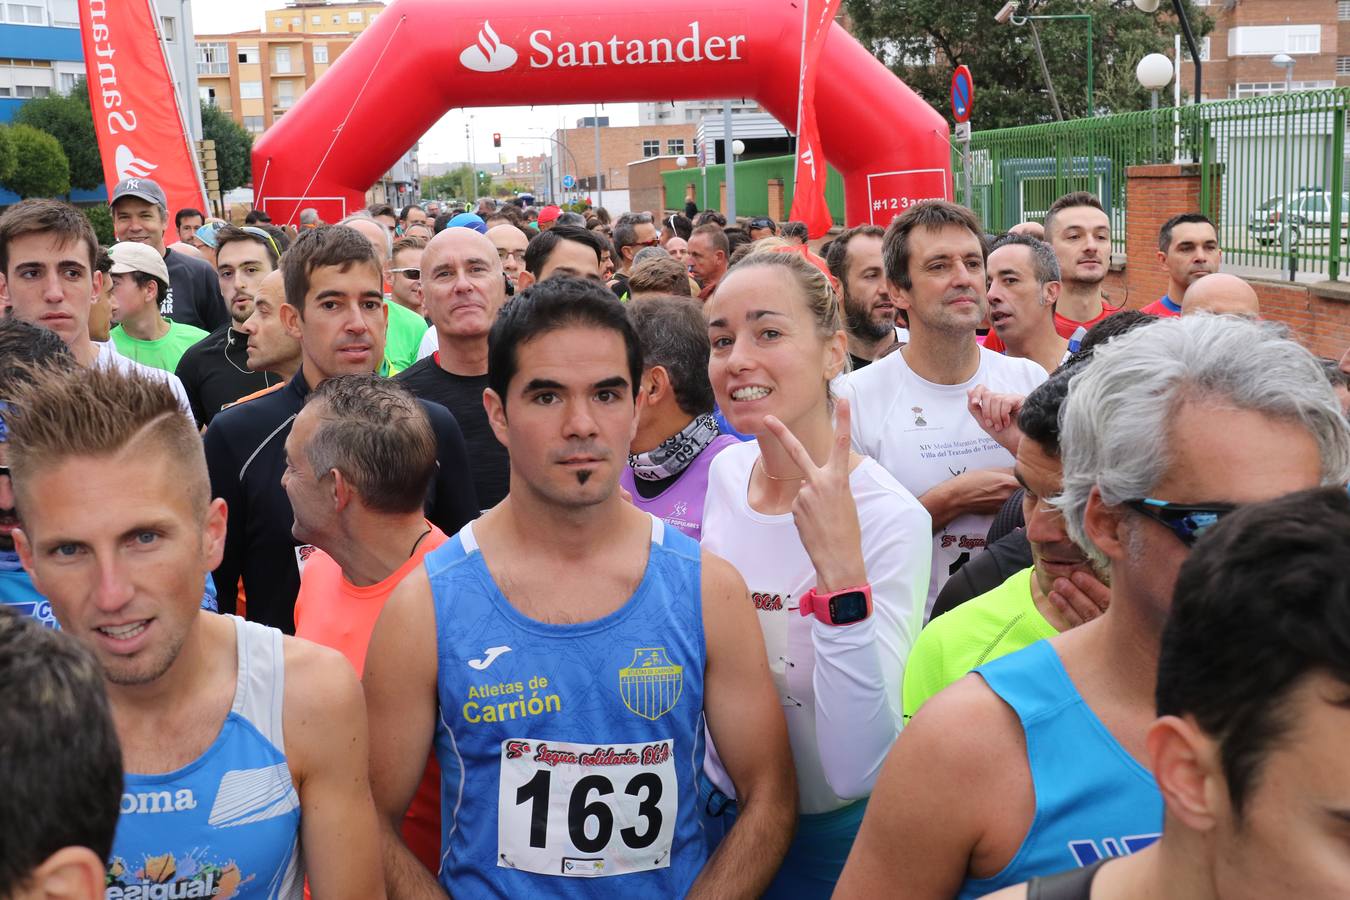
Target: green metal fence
(1273,173)
(752,186)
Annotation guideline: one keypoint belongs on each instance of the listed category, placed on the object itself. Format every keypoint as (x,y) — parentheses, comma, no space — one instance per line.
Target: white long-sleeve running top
(839,685)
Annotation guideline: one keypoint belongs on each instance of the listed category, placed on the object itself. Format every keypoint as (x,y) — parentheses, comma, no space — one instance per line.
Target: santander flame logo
(489,54)
(129,165)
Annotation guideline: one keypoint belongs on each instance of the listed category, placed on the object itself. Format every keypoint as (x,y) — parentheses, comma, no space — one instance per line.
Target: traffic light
(496,138)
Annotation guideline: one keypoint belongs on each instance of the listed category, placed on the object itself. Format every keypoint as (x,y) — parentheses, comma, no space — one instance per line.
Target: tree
(41,168)
(234,147)
(9,158)
(69,120)
(923,40)
(101,219)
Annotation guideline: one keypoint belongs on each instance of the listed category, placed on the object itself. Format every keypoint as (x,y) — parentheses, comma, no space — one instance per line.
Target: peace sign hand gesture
(824,511)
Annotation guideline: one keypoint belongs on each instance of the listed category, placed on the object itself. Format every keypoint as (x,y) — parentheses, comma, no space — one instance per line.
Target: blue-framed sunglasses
(1187,522)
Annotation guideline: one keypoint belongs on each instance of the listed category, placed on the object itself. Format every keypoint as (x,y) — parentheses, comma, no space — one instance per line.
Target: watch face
(845,609)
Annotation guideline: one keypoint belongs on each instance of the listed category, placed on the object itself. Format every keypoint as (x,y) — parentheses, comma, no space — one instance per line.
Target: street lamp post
(1154,73)
(730,161)
(1149,6)
(1286,62)
(1009,14)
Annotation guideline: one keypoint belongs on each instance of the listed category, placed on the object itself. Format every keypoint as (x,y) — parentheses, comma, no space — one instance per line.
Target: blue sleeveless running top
(227,824)
(1093,800)
(570,753)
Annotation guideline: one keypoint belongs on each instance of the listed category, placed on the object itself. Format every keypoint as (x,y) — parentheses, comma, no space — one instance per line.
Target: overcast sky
(446,141)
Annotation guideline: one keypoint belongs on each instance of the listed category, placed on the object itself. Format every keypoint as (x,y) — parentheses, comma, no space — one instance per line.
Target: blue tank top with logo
(228,823)
(1093,799)
(570,753)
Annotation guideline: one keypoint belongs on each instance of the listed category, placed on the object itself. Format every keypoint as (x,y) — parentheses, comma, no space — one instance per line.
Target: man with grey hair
(360,457)
(309,218)
(1168,429)
(1023,287)
(677,437)
(406,328)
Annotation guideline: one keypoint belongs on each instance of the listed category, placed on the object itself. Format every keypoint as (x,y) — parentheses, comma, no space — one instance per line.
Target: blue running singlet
(228,823)
(570,753)
(1093,800)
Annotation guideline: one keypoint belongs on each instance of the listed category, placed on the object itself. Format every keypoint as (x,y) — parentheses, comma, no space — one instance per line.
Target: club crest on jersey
(651,684)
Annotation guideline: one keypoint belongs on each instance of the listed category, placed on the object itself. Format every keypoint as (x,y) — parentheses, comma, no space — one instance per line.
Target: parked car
(1308,219)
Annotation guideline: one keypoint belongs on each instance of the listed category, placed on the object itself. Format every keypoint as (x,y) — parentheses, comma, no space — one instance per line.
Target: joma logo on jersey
(651,684)
(158,802)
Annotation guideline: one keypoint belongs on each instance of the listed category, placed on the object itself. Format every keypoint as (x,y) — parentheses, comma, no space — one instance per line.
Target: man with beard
(215,371)
(869,312)
(1188,248)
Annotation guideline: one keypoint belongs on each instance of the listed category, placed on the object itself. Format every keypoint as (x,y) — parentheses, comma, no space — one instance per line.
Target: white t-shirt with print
(923,434)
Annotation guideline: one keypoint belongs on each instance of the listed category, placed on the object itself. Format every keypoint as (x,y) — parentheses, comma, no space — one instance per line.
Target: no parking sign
(963,94)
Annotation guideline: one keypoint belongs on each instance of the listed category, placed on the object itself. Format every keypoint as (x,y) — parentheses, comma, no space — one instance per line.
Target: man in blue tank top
(562,652)
(1165,431)
(239,745)
(1249,749)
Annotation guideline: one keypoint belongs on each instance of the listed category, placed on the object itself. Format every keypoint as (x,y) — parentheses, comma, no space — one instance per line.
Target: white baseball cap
(131,256)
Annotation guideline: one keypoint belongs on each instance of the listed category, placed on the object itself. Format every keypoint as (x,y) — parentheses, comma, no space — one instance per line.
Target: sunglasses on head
(1187,522)
(260,233)
(761,223)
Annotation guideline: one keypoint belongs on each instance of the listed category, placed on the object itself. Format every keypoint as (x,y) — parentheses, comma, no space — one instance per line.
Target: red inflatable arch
(422,57)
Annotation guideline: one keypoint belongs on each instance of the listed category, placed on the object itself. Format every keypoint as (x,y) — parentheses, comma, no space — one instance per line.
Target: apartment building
(1237,54)
(257,76)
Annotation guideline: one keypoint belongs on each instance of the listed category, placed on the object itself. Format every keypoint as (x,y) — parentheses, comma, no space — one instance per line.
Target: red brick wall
(1156,193)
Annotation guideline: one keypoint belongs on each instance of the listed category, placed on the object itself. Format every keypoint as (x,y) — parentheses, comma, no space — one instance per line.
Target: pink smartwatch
(840,607)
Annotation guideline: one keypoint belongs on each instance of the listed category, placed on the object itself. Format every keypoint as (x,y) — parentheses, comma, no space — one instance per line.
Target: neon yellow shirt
(991,625)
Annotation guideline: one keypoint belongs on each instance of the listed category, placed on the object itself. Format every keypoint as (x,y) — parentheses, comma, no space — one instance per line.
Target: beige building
(256,76)
(619,145)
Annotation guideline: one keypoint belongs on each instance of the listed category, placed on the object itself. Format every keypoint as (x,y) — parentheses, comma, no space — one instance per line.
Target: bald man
(1221,294)
(463,288)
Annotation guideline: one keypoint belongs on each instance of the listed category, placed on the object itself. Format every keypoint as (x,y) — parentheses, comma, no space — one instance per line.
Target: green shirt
(163,353)
(403,337)
(991,625)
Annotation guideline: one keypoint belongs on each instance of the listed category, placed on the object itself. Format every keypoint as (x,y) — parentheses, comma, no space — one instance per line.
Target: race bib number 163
(586,810)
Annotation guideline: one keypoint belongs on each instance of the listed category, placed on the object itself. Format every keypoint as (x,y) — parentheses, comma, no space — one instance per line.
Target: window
(276,23)
(253,124)
(1267,40)
(297,22)
(651,148)
(355,17)
(24,14)
(1204,51)
(316,20)
(1265,88)
(65,13)
(281,60)
(168,28)
(213,59)
(250,90)
(285,94)
(208,95)
(248,56)
(1343,65)
(675,146)
(320,54)
(337,20)
(1343,10)
(68,80)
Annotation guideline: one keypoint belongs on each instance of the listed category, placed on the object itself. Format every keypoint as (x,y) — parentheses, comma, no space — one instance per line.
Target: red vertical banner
(808,192)
(136,113)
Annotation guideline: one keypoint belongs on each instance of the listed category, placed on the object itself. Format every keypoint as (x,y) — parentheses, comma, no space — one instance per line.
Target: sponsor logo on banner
(129,165)
(651,684)
(489,53)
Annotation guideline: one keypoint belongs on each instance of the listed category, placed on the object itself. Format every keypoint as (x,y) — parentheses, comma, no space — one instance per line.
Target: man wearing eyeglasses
(510,242)
(1168,429)
(405,275)
(632,232)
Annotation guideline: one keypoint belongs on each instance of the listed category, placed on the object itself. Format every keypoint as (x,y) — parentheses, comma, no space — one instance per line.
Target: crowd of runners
(502,552)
